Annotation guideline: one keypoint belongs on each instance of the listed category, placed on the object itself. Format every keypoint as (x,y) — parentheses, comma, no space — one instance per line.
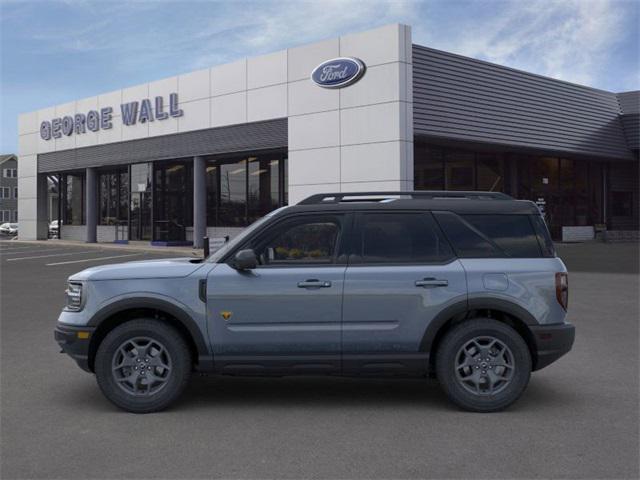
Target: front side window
(309,240)
(401,238)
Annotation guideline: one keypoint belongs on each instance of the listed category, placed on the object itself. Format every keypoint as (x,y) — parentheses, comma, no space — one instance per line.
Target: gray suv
(463,286)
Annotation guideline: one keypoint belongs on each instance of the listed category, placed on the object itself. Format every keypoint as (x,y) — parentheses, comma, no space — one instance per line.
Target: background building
(9,188)
(210,151)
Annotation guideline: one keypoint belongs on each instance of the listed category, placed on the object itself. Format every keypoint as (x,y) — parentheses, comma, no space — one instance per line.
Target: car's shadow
(249,393)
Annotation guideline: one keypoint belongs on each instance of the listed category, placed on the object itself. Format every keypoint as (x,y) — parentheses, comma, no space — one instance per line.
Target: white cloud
(570,40)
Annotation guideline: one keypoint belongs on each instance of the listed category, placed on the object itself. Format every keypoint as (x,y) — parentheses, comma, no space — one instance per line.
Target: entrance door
(140,219)
(284,315)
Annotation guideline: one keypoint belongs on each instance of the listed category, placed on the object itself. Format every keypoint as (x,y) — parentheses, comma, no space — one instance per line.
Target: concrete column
(199,201)
(91,205)
(42,215)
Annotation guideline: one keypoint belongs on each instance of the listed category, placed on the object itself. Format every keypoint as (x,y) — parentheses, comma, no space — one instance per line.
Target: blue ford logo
(338,73)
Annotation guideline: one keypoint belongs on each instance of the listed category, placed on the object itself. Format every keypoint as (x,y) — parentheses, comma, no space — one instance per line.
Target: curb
(184,251)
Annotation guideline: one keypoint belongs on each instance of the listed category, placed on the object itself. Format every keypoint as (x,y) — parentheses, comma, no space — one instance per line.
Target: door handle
(431,283)
(313,283)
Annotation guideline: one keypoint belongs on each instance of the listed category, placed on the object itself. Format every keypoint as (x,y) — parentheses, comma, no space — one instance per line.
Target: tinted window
(491,235)
(466,241)
(544,238)
(311,240)
(401,238)
(514,234)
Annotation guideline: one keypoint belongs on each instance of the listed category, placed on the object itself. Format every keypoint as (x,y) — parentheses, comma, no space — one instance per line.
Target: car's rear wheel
(143,365)
(483,365)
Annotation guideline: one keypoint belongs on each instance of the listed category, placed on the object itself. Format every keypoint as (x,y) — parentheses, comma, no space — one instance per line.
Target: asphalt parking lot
(579,418)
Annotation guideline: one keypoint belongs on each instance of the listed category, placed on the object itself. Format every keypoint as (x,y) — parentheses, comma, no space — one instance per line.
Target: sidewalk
(130,247)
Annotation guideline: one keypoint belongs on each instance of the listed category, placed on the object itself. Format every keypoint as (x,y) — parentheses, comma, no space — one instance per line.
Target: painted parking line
(51,255)
(92,259)
(35,250)
(15,249)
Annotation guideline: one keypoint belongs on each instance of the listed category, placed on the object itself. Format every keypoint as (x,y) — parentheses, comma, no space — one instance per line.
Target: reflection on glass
(460,171)
(241,190)
(113,197)
(73,208)
(490,173)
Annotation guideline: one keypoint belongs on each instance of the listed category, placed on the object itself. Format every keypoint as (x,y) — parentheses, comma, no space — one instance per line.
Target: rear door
(401,274)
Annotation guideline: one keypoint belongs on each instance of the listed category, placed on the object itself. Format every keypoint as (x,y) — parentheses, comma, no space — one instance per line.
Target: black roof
(458,202)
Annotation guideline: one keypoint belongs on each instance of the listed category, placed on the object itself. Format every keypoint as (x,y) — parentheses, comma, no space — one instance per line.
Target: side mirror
(245,260)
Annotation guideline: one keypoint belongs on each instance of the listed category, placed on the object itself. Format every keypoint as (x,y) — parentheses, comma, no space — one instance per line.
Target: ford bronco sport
(464,286)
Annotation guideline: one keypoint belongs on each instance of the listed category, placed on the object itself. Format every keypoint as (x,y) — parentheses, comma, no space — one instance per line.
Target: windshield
(230,245)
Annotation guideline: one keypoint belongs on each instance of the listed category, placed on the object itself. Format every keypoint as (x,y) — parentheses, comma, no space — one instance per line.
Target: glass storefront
(569,191)
(243,189)
(140,218)
(73,199)
(172,200)
(154,201)
(113,197)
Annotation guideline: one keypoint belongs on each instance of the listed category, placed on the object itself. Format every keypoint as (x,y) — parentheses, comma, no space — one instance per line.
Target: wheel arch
(502,310)
(121,311)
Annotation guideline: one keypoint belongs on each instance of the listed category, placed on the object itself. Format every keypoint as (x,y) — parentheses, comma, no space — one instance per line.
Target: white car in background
(9,228)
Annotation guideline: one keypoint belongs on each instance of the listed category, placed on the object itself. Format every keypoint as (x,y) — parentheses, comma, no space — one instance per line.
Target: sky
(55,51)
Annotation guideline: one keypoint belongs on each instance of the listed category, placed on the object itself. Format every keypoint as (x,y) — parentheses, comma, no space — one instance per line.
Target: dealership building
(208,152)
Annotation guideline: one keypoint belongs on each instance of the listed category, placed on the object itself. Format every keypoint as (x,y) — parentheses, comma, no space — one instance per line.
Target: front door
(284,316)
(402,273)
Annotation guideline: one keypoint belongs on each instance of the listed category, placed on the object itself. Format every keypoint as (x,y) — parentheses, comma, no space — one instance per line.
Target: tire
(477,385)
(154,355)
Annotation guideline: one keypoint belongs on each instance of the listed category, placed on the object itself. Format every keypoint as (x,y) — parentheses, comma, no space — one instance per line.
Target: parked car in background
(54,229)
(9,229)
(463,286)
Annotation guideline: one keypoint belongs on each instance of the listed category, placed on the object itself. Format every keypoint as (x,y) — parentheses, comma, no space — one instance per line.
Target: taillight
(562,289)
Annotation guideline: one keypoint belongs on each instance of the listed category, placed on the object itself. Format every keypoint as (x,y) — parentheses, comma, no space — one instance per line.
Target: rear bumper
(552,342)
(73,345)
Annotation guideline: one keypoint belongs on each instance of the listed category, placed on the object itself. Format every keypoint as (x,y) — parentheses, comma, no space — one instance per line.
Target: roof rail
(325,198)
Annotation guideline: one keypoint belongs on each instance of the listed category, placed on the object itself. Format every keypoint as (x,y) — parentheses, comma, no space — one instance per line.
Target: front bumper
(75,341)
(552,342)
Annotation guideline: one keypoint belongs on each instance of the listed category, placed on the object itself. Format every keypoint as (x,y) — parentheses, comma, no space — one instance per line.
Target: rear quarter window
(490,236)
(514,234)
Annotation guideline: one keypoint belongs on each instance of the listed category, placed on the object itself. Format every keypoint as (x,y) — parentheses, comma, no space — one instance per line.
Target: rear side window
(544,238)
(491,235)
(401,238)
(514,234)
(466,240)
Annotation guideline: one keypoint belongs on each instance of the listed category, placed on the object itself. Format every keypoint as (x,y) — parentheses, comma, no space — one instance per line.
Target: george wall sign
(338,72)
(94,120)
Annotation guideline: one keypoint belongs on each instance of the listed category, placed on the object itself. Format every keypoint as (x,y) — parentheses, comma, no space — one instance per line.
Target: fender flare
(461,307)
(185,319)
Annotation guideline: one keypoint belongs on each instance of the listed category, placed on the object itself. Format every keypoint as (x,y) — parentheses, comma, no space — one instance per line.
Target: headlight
(74,297)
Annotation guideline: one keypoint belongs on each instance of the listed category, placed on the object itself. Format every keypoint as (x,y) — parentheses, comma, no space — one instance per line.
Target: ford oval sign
(338,73)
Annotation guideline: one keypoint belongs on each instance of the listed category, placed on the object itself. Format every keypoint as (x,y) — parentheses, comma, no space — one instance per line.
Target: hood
(151,269)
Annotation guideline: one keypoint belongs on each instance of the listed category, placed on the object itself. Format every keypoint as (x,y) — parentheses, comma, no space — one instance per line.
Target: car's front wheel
(143,365)
(483,365)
